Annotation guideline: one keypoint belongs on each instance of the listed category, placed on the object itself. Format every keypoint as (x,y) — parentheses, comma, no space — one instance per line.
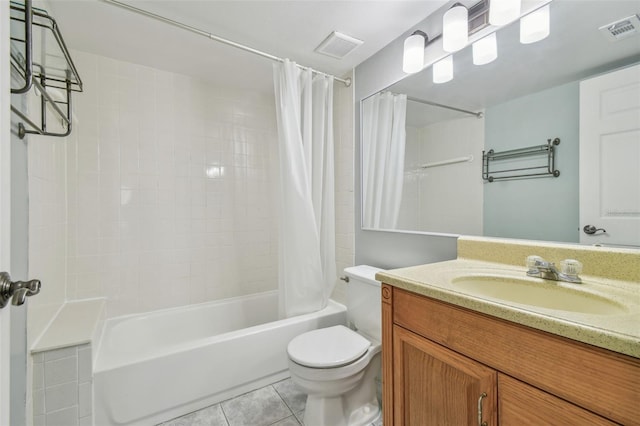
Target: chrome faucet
(569,269)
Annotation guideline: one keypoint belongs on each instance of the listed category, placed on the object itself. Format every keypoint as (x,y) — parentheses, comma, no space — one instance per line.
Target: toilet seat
(329,347)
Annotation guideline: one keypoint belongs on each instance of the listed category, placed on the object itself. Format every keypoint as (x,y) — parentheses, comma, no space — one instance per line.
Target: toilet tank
(363,300)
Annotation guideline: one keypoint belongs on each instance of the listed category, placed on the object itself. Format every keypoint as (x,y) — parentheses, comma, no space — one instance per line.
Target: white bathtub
(156,366)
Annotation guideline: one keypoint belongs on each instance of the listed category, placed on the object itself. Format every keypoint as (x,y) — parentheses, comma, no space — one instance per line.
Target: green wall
(541,208)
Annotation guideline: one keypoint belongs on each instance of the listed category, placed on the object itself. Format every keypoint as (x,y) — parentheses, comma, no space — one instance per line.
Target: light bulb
(455,28)
(502,12)
(413,56)
(535,26)
(485,50)
(443,70)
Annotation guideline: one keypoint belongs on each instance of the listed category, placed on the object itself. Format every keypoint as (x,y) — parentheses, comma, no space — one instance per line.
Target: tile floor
(278,404)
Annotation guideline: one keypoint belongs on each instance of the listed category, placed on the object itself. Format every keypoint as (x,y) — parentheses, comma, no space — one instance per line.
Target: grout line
(283,401)
(223,413)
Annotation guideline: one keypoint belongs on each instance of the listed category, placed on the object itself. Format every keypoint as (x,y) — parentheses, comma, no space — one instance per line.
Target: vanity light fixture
(443,70)
(455,28)
(501,12)
(413,56)
(535,26)
(485,50)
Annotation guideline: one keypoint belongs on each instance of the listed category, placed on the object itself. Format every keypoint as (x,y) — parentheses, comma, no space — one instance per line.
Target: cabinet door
(521,404)
(436,386)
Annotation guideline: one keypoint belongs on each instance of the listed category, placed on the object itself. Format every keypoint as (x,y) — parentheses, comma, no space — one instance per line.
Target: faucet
(569,269)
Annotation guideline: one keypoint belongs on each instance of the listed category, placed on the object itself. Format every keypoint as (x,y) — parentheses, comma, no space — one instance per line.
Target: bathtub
(156,366)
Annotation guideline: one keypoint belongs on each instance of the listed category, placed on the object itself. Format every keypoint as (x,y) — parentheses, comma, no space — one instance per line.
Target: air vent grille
(478,16)
(338,45)
(622,28)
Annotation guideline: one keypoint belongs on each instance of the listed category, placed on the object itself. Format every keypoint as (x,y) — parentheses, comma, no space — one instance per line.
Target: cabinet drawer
(601,381)
(521,404)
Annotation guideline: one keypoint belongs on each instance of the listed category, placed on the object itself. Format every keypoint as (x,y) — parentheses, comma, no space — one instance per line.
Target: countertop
(619,332)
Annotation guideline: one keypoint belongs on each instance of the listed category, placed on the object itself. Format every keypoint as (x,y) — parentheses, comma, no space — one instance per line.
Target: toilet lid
(327,347)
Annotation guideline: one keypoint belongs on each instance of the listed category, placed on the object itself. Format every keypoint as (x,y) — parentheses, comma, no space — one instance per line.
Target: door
(13,244)
(5,335)
(436,386)
(610,158)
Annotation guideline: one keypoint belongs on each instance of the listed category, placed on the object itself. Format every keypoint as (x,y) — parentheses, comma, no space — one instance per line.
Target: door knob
(592,230)
(19,290)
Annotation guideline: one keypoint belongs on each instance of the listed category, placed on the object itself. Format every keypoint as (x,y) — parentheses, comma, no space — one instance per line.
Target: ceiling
(291,29)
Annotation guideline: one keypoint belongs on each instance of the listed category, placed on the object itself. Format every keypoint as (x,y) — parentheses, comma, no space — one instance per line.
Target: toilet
(337,366)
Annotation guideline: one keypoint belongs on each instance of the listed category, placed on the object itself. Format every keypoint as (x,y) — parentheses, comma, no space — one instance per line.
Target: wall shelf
(40,59)
(521,163)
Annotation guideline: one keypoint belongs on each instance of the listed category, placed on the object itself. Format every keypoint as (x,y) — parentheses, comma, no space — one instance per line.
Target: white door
(610,158)
(5,194)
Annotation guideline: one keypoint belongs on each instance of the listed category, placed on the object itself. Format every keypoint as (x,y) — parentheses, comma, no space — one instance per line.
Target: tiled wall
(162,194)
(168,189)
(62,387)
(344,157)
(47,228)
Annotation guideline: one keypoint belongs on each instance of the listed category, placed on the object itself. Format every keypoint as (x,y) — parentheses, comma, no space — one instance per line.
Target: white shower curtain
(383,143)
(307,267)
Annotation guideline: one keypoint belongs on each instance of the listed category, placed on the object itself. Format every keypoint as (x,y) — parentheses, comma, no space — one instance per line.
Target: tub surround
(61,363)
(62,386)
(614,273)
(76,323)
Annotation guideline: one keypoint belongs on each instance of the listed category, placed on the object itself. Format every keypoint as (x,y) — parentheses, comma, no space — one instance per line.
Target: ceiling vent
(338,45)
(622,28)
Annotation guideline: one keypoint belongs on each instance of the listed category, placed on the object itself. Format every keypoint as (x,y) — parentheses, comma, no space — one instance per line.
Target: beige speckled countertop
(612,275)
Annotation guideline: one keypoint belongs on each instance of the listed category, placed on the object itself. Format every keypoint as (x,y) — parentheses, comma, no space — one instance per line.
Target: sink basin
(547,294)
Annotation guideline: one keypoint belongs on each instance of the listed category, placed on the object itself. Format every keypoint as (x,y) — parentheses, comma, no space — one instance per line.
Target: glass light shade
(443,70)
(485,50)
(535,26)
(501,12)
(413,56)
(455,29)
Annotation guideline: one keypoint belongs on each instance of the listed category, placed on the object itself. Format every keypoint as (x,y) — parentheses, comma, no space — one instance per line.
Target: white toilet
(336,366)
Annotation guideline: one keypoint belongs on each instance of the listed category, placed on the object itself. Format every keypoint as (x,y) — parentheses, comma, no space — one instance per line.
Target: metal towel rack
(55,68)
(540,164)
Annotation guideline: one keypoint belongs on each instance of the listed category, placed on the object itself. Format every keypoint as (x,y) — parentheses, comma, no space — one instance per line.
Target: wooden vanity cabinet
(439,359)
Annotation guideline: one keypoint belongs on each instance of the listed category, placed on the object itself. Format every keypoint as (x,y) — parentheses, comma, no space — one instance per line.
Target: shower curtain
(307,267)
(383,143)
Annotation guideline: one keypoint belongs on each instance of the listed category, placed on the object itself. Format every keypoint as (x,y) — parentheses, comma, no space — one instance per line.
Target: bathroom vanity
(455,356)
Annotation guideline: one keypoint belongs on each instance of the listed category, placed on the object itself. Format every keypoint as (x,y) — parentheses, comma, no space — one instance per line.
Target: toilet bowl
(337,366)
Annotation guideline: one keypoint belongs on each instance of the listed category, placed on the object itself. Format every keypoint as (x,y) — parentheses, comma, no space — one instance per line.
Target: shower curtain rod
(477,114)
(143,12)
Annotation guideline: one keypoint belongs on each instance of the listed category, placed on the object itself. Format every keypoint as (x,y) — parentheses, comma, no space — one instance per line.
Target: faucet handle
(533,262)
(571,267)
(533,265)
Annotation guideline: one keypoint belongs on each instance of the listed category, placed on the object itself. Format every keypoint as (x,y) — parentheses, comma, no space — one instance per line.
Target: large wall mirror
(529,95)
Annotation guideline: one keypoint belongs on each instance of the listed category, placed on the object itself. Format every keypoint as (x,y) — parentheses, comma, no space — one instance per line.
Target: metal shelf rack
(40,59)
(521,163)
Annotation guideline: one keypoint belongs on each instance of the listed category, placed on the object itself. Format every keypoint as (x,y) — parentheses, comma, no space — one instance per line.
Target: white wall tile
(61,371)
(65,417)
(60,397)
(38,402)
(84,399)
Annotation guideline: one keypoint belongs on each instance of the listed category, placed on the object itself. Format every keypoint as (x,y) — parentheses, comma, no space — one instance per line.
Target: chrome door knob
(19,290)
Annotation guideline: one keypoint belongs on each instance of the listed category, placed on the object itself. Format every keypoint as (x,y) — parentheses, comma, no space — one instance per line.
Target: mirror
(528,96)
